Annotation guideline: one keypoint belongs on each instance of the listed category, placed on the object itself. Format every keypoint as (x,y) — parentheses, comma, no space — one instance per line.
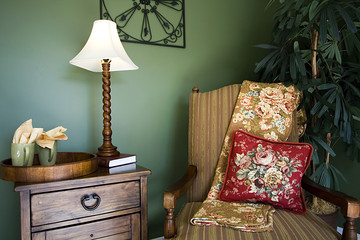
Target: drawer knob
(89,197)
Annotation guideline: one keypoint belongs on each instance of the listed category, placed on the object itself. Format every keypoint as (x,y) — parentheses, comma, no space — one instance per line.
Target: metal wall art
(157,22)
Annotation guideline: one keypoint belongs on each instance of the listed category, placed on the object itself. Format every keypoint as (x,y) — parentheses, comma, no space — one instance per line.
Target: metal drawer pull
(89,197)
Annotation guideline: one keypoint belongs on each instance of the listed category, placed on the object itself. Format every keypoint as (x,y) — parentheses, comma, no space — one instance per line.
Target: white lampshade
(103,43)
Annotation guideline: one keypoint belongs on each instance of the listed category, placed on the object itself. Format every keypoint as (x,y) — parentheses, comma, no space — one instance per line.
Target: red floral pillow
(261,170)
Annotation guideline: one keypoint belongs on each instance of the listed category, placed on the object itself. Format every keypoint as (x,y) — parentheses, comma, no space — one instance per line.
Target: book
(123,168)
(122,159)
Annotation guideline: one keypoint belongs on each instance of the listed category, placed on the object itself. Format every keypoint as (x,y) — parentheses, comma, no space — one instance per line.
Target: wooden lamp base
(107,149)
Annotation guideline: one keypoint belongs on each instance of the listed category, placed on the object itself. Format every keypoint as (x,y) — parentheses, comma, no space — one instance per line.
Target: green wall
(149,106)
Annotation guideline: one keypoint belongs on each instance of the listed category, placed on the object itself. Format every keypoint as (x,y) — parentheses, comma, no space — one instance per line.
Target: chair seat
(286,226)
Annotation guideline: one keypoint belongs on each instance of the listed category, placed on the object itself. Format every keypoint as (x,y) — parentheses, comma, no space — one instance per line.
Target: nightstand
(106,204)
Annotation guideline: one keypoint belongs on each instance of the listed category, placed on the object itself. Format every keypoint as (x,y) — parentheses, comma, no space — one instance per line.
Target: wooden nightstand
(101,205)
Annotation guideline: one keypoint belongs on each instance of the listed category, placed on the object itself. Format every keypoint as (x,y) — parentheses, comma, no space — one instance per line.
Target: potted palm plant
(316,46)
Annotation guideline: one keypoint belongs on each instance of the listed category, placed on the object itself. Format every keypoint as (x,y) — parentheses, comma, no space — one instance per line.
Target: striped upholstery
(209,117)
(287,226)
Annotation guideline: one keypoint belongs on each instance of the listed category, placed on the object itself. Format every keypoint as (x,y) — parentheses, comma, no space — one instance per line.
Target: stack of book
(120,160)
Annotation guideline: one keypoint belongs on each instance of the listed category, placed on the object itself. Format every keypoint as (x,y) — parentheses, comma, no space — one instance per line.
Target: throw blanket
(265,110)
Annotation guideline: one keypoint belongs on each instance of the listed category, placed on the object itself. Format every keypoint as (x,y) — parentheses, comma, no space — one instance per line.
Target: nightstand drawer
(82,202)
(125,227)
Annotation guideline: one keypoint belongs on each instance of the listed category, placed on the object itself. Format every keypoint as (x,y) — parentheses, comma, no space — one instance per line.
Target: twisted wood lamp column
(107,149)
(104,45)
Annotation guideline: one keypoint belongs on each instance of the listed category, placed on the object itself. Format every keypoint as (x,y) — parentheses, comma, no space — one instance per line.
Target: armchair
(209,116)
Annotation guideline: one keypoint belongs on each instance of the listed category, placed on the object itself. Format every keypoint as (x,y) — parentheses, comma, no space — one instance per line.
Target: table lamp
(102,48)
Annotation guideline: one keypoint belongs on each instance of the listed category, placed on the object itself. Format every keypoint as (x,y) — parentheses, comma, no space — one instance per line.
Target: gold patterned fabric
(262,109)
(250,215)
(287,226)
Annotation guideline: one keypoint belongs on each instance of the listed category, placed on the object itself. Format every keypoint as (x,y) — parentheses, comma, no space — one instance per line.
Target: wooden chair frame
(349,206)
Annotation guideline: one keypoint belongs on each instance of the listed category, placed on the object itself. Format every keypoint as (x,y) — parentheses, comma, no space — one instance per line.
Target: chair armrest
(349,206)
(171,194)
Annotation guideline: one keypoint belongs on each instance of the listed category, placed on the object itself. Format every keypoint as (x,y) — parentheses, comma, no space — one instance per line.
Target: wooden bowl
(68,165)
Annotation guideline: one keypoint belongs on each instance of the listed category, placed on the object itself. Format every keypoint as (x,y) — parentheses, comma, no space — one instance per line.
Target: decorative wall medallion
(157,22)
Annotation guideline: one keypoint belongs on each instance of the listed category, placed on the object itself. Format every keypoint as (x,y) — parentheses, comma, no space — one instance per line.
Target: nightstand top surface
(102,176)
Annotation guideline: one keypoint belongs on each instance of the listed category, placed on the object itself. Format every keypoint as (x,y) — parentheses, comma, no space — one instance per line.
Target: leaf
(353,88)
(324,145)
(354,110)
(332,53)
(313,82)
(309,27)
(349,23)
(337,171)
(271,64)
(348,133)
(300,63)
(266,46)
(318,176)
(345,114)
(298,4)
(337,53)
(326,86)
(318,171)
(352,40)
(325,179)
(312,10)
(322,101)
(283,70)
(315,157)
(290,23)
(296,46)
(322,111)
(327,124)
(356,118)
(332,96)
(269,4)
(285,7)
(337,111)
(298,20)
(323,26)
(333,24)
(335,178)
(324,98)
(330,99)
(264,61)
(322,175)
(316,108)
(349,44)
(282,24)
(292,67)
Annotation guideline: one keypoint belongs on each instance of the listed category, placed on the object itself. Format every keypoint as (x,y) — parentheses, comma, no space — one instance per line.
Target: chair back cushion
(209,117)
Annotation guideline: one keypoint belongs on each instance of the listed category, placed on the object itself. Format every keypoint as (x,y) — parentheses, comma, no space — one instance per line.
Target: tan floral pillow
(265,110)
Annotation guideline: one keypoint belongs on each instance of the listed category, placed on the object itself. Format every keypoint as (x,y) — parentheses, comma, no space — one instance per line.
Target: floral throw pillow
(262,170)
